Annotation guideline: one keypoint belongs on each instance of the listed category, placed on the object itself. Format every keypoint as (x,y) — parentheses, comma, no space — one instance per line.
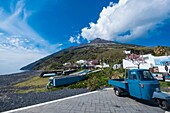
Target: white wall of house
(150,61)
(116,66)
(81,62)
(104,65)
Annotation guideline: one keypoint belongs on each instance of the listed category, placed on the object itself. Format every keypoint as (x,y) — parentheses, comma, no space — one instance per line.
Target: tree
(136,59)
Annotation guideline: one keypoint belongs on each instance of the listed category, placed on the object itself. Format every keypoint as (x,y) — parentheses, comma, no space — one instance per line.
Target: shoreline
(10,79)
(19,72)
(11,73)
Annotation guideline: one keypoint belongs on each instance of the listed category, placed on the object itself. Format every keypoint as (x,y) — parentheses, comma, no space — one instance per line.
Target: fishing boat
(66,80)
(50,73)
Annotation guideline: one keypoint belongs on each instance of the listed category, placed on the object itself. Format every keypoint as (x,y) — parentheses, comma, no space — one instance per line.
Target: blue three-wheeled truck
(141,84)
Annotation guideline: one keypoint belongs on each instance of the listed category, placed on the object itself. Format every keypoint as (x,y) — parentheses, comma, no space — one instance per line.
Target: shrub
(92,84)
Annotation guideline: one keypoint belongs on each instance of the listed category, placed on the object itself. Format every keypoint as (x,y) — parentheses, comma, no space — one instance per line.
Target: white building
(116,66)
(127,52)
(104,65)
(150,61)
(83,62)
(67,63)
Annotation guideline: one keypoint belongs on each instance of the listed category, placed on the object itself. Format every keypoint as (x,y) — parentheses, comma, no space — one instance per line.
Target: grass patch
(35,81)
(35,84)
(32,90)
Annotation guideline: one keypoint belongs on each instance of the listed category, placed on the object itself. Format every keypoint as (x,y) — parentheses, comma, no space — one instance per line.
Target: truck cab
(141,84)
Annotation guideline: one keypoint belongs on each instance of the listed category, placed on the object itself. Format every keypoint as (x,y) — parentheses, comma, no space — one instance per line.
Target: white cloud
(75,39)
(20,44)
(13,59)
(17,52)
(78,39)
(1,34)
(133,16)
(17,42)
(26,14)
(72,40)
(15,23)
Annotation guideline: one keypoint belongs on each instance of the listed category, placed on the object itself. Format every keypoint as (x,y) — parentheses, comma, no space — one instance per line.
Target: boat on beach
(66,80)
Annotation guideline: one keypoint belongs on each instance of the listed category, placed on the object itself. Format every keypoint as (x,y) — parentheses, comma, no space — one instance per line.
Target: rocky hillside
(99,49)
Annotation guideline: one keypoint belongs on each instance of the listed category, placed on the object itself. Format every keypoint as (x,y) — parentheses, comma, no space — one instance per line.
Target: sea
(3,72)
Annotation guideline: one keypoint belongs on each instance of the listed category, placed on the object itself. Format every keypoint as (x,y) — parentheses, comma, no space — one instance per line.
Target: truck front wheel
(49,85)
(164,105)
(117,92)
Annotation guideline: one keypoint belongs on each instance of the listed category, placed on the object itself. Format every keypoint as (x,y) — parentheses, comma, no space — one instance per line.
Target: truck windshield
(145,75)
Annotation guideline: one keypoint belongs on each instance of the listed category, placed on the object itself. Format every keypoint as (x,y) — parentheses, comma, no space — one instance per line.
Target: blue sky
(32,29)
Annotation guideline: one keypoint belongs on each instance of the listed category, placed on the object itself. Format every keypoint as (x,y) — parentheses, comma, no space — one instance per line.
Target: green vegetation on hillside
(105,52)
(161,50)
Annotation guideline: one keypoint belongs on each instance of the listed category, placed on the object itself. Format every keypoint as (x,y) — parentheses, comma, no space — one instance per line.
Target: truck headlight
(51,79)
(157,89)
(142,85)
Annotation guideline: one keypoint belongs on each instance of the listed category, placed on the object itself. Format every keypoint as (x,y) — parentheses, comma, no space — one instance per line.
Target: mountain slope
(99,49)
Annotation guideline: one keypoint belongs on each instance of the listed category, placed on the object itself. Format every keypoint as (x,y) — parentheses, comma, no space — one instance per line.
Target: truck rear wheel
(117,92)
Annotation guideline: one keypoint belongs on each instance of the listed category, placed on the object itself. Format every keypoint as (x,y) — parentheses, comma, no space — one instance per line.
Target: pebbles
(13,101)
(9,99)
(7,80)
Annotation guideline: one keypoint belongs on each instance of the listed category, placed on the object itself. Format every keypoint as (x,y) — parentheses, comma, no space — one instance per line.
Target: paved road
(103,101)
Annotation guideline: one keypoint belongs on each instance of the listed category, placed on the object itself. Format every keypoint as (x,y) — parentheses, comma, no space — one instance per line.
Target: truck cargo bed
(121,83)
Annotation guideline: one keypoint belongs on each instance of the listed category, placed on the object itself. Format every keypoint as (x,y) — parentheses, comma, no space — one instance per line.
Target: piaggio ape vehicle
(140,83)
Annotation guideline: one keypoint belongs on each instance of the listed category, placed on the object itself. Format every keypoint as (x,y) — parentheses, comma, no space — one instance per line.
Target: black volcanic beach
(10,99)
